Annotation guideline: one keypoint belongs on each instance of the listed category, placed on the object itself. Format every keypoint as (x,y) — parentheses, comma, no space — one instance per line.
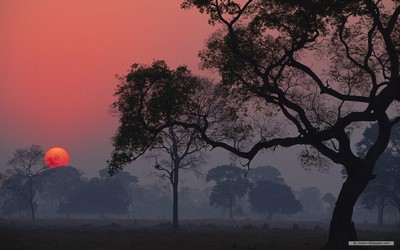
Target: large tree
(323,67)
(151,95)
(23,174)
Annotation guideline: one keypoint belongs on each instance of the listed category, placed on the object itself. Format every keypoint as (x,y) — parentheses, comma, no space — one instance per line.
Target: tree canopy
(270,198)
(384,189)
(230,186)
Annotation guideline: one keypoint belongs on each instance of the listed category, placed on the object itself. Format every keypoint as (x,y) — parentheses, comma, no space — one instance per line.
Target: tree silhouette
(384,190)
(268,173)
(59,183)
(270,198)
(321,68)
(331,200)
(100,195)
(230,186)
(23,175)
(310,199)
(151,95)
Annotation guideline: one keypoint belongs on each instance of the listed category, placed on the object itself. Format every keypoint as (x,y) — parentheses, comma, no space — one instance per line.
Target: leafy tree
(59,183)
(384,190)
(270,198)
(310,199)
(152,95)
(100,195)
(268,173)
(13,202)
(231,185)
(331,200)
(22,176)
(266,52)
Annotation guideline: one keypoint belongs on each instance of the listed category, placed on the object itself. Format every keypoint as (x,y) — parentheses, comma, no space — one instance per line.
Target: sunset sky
(57,74)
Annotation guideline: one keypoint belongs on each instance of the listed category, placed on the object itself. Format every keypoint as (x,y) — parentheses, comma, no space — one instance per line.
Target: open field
(202,235)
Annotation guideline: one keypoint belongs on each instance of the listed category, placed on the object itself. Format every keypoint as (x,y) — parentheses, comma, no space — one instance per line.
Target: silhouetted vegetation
(146,96)
(230,186)
(265,53)
(384,189)
(22,179)
(269,198)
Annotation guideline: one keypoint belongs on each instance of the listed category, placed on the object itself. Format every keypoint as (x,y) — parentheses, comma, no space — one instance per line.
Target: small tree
(270,198)
(23,175)
(384,189)
(231,185)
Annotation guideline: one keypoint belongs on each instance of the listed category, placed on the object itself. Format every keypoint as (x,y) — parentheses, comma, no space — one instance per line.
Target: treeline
(27,189)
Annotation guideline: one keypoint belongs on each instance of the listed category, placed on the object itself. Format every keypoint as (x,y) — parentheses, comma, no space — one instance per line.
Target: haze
(57,76)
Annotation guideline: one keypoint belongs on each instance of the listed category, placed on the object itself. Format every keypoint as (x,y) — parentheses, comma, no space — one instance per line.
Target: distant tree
(13,203)
(270,198)
(331,200)
(268,173)
(22,176)
(100,195)
(230,186)
(310,199)
(193,203)
(151,201)
(384,189)
(58,183)
(151,95)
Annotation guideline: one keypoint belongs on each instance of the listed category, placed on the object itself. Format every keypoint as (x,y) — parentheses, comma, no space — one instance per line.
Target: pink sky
(58,64)
(57,74)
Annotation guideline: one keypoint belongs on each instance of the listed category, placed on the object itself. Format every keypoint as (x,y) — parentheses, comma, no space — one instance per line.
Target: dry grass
(90,235)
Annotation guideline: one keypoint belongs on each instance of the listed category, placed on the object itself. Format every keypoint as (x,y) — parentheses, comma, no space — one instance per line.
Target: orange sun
(56,157)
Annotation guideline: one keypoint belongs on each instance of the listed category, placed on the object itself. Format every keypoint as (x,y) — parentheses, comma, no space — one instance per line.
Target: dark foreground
(192,237)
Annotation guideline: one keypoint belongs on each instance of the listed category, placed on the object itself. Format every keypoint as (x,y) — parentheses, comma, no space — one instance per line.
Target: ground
(193,235)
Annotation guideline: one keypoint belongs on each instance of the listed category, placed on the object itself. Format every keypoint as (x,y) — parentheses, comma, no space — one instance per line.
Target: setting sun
(56,157)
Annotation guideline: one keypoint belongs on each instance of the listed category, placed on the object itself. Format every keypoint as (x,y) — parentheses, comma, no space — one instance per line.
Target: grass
(193,237)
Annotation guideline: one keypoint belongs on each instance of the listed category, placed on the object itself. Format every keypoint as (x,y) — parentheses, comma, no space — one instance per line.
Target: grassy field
(160,236)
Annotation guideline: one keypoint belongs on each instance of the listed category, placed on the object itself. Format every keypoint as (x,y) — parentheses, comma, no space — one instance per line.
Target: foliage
(268,173)
(331,200)
(230,186)
(100,195)
(310,199)
(323,67)
(148,98)
(384,190)
(58,183)
(270,198)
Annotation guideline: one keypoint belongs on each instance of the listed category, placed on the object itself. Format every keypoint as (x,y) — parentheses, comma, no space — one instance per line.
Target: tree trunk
(342,229)
(230,210)
(380,214)
(31,205)
(175,219)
